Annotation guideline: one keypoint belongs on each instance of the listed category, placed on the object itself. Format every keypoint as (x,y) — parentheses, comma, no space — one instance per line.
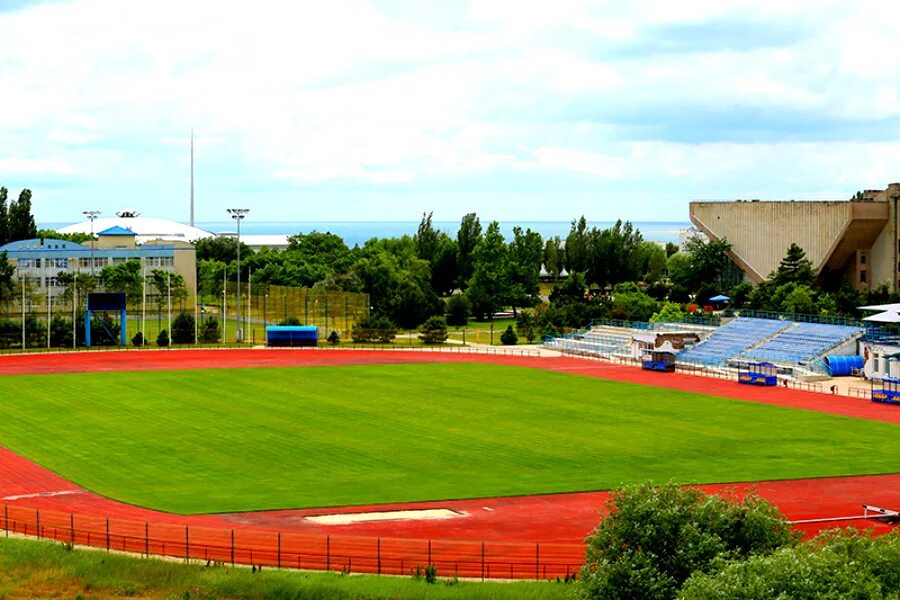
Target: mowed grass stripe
(251,439)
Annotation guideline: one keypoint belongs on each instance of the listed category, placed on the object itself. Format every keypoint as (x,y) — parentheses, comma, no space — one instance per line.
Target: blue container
(841,366)
(291,335)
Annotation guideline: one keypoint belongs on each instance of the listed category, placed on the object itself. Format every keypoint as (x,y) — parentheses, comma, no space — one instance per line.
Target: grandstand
(798,345)
(802,342)
(731,340)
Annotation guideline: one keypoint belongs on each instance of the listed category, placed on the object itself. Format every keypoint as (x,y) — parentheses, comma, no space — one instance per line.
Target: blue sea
(357,232)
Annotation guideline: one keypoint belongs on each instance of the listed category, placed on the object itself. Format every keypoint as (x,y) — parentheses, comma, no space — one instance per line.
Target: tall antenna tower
(192,177)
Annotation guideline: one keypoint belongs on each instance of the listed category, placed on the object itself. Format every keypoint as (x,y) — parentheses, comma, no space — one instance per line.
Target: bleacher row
(594,343)
(783,342)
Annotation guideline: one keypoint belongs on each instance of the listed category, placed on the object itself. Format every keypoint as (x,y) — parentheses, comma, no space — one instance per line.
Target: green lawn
(36,569)
(243,439)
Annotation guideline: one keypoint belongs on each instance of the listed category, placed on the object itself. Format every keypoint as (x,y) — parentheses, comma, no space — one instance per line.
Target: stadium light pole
(238,214)
(92,214)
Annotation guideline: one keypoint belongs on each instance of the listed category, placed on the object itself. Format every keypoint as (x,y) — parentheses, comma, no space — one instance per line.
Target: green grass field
(249,439)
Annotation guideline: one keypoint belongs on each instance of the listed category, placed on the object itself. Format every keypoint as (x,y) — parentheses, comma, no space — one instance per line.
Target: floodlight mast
(92,214)
(238,214)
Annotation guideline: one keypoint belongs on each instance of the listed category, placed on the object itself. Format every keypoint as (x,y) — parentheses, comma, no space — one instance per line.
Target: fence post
(38,524)
(6,519)
(72,528)
(279,549)
(429,553)
(537,562)
(327,552)
(187,544)
(379,556)
(107,535)
(482,561)
(146,539)
(232,547)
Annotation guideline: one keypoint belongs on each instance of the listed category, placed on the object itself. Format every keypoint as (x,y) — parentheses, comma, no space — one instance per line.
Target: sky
(518,110)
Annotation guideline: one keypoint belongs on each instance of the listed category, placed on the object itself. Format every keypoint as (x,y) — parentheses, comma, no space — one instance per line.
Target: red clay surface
(517,537)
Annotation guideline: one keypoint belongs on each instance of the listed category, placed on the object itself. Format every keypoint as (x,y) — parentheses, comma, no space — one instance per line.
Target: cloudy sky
(516,109)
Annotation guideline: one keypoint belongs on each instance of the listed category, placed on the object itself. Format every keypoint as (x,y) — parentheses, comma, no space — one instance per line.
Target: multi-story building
(38,262)
(858,239)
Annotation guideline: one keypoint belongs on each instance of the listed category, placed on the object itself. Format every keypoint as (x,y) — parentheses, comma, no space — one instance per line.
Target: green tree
(509,337)
(183,328)
(20,220)
(526,252)
(467,238)
(652,259)
(78,284)
(631,304)
(458,309)
(168,285)
(7,271)
(426,239)
(654,538)
(60,332)
(669,313)
(577,253)
(527,325)
(434,330)
(740,294)
(4,216)
(489,287)
(124,277)
(444,267)
(554,257)
(795,267)
(78,238)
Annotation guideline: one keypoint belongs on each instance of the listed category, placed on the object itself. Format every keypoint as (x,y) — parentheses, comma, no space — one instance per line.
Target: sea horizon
(358,232)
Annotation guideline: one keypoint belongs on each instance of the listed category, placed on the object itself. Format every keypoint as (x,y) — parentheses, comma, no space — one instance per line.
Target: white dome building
(146,229)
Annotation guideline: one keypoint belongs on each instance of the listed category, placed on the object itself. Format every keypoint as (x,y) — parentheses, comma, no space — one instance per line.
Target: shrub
(209,330)
(333,338)
(373,329)
(162,339)
(138,339)
(509,337)
(458,310)
(654,538)
(290,321)
(434,331)
(183,328)
(527,325)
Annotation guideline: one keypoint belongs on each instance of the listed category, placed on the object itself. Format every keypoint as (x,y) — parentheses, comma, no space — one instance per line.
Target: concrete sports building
(857,238)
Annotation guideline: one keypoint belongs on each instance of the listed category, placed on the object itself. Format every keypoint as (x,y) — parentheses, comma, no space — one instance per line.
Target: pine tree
(794,268)
(20,222)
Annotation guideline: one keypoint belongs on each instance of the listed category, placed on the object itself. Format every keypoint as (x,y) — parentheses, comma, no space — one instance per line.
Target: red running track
(516,537)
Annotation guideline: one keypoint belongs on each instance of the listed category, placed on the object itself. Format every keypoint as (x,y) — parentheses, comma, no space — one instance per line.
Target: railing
(294,550)
(387,347)
(800,317)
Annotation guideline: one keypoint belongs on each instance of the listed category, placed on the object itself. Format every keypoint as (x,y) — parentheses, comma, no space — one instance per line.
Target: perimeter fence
(299,550)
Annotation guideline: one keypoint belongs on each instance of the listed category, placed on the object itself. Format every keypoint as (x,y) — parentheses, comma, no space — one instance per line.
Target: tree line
(592,273)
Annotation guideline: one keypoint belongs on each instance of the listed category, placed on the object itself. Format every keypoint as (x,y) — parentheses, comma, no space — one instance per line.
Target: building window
(100,262)
(26,263)
(59,263)
(862,258)
(118,260)
(862,276)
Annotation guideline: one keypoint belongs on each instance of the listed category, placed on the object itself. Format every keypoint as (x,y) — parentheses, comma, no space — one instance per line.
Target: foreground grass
(33,569)
(251,439)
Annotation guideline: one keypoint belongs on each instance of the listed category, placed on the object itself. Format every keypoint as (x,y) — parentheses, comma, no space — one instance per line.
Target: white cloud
(313,92)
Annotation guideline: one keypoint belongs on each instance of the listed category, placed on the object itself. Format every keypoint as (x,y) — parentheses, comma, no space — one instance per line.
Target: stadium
(381,461)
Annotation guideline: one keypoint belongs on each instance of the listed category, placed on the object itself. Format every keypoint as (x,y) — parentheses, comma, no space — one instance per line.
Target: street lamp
(238,215)
(92,214)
